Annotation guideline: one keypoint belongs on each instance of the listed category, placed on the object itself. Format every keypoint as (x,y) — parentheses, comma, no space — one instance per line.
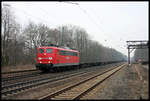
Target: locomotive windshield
(49,50)
(41,50)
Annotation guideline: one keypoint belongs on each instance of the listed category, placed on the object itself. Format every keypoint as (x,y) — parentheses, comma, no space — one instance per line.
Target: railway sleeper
(90,84)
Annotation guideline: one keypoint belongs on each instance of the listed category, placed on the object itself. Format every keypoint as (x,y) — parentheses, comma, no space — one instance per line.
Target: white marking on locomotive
(67,57)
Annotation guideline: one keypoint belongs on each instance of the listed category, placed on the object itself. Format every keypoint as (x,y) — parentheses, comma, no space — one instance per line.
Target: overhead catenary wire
(94,23)
(85,12)
(45,12)
(105,40)
(81,8)
(32,16)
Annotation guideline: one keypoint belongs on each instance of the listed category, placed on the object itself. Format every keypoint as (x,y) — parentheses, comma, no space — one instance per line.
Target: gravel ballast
(125,84)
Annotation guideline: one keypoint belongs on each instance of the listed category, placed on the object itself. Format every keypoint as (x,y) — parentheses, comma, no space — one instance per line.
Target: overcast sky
(109,23)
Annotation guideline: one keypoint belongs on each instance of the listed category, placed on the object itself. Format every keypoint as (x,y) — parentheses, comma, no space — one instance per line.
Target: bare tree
(35,35)
(10,30)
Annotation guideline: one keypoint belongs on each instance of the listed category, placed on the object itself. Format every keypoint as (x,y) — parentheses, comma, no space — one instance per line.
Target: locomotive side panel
(53,57)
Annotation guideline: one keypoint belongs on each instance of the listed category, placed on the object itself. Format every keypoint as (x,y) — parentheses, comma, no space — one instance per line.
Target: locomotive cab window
(41,50)
(49,50)
(75,54)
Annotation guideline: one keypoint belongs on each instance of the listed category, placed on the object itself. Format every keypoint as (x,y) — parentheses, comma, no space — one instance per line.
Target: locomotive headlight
(39,58)
(50,58)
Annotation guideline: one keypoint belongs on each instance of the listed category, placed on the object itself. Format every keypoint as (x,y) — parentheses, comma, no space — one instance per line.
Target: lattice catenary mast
(141,44)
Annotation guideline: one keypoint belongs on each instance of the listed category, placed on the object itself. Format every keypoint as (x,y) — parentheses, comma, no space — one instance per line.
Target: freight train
(53,58)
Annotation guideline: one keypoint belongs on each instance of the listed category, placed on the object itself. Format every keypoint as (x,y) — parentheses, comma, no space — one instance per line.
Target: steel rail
(78,95)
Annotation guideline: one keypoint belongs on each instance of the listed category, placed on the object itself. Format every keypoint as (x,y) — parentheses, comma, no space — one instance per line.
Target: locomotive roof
(58,48)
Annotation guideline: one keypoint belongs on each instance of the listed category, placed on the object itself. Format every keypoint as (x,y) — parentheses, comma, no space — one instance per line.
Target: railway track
(18,74)
(23,79)
(16,88)
(12,72)
(79,89)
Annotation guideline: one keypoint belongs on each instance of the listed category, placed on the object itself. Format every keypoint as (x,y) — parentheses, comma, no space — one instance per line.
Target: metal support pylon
(141,44)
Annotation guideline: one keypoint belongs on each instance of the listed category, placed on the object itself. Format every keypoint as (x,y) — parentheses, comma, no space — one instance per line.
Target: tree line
(19,45)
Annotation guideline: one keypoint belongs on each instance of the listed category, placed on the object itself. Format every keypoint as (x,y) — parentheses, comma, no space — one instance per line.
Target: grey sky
(110,23)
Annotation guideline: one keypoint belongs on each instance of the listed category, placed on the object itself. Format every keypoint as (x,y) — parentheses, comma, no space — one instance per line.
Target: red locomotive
(50,57)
